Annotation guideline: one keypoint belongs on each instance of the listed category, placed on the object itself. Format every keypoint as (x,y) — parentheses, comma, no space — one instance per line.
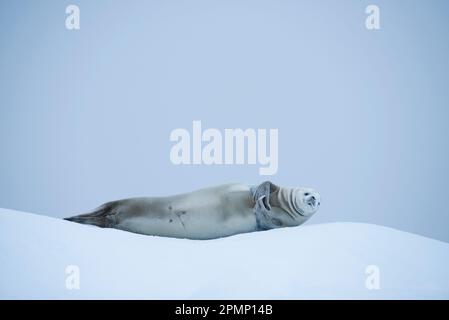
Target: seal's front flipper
(262,208)
(103,217)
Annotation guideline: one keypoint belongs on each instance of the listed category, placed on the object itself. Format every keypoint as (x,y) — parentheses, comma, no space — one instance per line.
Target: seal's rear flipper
(103,217)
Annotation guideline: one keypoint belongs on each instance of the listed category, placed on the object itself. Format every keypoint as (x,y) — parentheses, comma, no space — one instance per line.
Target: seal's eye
(306,194)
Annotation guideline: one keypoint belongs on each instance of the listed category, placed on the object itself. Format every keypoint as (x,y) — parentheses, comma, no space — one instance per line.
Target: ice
(324,261)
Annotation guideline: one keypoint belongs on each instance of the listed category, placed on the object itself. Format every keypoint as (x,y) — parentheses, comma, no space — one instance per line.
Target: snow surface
(314,261)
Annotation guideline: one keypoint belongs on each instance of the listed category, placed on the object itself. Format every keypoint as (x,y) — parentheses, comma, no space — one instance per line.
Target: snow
(325,261)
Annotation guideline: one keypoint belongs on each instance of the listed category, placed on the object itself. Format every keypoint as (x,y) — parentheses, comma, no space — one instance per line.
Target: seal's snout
(312,199)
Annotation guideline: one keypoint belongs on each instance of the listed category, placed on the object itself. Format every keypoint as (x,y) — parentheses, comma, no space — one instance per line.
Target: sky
(362,115)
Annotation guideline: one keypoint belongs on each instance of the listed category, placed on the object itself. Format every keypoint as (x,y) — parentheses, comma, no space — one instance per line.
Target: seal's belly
(203,214)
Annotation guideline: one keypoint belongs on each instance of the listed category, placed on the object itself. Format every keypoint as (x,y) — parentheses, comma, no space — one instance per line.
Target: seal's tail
(103,216)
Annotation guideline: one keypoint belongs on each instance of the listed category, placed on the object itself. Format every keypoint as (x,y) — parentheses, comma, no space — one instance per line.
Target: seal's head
(299,203)
(306,201)
(277,206)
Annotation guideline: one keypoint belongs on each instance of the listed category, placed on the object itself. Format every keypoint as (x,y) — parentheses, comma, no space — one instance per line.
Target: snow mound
(329,261)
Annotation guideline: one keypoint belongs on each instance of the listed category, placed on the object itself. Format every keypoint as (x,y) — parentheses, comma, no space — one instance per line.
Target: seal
(208,213)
